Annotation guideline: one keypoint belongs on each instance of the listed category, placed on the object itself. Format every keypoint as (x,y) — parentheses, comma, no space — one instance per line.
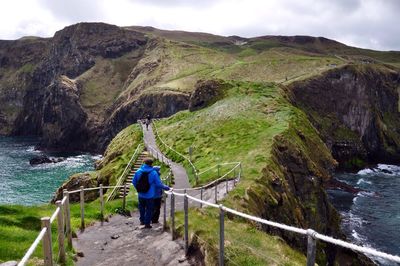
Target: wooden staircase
(128,180)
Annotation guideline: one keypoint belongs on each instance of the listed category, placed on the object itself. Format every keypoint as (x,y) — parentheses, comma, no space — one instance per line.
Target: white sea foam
(365,171)
(362,180)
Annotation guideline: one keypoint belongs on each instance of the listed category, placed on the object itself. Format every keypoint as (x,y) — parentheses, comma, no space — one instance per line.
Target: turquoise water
(21,183)
(372,217)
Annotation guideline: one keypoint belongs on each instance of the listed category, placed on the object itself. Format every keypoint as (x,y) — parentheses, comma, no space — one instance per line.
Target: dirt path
(121,242)
(180,175)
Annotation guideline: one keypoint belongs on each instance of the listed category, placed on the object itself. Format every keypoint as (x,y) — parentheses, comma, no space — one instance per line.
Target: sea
(371,217)
(23,184)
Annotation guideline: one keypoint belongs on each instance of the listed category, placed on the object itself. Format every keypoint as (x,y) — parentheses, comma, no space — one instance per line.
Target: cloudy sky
(364,23)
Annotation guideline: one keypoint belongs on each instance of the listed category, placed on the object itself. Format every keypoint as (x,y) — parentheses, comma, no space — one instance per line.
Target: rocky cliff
(356,110)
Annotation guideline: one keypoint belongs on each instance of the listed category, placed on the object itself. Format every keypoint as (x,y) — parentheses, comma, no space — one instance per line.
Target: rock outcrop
(356,111)
(74,183)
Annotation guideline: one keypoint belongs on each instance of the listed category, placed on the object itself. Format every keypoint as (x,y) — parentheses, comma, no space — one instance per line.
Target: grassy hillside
(256,125)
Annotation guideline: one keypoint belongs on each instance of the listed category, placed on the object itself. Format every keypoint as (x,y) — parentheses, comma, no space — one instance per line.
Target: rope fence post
(67,219)
(186,210)
(172,214)
(201,197)
(311,247)
(124,198)
(226,185)
(219,172)
(101,203)
(47,250)
(216,193)
(221,235)
(82,198)
(60,231)
(164,211)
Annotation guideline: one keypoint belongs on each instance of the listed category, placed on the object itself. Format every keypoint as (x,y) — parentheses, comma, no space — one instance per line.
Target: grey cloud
(177,3)
(75,10)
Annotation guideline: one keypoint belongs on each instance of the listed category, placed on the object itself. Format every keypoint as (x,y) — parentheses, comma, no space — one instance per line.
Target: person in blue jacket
(146,199)
(157,199)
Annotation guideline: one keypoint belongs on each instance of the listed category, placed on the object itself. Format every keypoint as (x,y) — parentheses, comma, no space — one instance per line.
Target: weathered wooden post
(82,198)
(67,219)
(47,250)
(186,210)
(219,172)
(172,213)
(311,247)
(226,185)
(60,231)
(101,203)
(221,235)
(124,198)
(201,197)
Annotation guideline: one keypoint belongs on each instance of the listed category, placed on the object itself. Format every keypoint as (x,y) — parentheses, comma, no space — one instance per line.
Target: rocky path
(180,175)
(121,242)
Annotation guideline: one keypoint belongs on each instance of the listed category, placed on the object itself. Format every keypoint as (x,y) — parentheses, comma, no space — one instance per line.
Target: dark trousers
(156,210)
(146,210)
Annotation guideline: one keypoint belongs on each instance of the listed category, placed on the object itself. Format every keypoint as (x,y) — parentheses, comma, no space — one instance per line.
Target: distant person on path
(157,199)
(148,121)
(146,181)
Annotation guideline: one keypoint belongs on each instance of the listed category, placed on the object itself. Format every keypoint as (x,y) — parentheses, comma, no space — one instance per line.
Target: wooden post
(172,214)
(47,250)
(219,174)
(165,211)
(68,219)
(201,197)
(221,235)
(60,231)
(186,210)
(101,203)
(226,185)
(311,247)
(82,197)
(216,193)
(124,198)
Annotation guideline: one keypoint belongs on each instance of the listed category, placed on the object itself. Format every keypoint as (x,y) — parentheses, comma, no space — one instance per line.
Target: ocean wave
(32,149)
(389,169)
(362,180)
(365,171)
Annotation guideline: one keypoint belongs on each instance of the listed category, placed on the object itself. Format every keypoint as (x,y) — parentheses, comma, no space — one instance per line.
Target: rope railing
(122,178)
(63,217)
(312,235)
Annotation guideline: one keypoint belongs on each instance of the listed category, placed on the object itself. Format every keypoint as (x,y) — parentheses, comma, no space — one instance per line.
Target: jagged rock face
(205,93)
(74,183)
(75,48)
(156,105)
(356,110)
(63,119)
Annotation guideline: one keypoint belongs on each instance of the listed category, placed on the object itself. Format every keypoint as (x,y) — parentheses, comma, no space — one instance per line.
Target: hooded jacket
(154,181)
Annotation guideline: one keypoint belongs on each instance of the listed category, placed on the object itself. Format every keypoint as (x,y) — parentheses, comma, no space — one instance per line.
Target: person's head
(148,161)
(157,168)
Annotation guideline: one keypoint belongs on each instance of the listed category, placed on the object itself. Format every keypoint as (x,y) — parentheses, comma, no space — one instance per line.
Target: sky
(373,24)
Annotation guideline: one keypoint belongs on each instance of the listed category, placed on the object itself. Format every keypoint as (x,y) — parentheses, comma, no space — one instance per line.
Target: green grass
(20,225)
(254,124)
(239,127)
(244,244)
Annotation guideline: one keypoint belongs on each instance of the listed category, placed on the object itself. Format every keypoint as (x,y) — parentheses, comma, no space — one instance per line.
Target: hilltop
(109,76)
